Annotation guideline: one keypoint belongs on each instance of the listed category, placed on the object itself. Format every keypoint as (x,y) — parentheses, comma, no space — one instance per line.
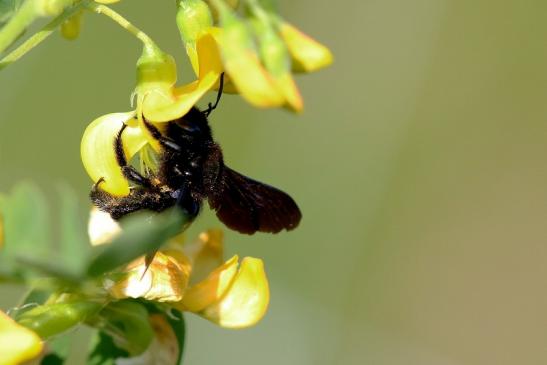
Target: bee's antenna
(211,106)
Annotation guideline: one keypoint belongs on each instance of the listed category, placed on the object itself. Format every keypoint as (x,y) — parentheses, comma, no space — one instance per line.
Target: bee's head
(194,123)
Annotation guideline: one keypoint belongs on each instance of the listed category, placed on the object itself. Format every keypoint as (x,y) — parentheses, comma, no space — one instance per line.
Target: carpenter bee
(191,169)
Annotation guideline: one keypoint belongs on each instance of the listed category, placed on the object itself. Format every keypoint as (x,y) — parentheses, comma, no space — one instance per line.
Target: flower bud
(193,18)
(52,319)
(231,3)
(276,59)
(154,68)
(50,7)
(70,29)
(308,55)
(243,65)
(273,52)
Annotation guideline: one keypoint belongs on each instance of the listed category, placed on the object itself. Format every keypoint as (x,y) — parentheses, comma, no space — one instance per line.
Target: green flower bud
(51,7)
(70,29)
(155,67)
(193,18)
(52,319)
(272,49)
(237,36)
(231,3)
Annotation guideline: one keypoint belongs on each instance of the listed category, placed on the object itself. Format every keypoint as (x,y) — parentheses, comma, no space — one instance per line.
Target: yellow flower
(308,55)
(191,276)
(158,100)
(262,75)
(233,46)
(17,343)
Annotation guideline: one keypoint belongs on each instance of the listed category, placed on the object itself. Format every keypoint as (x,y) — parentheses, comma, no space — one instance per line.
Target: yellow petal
(156,108)
(208,291)
(245,70)
(192,53)
(208,55)
(247,299)
(106,1)
(242,64)
(252,81)
(288,88)
(205,253)
(98,154)
(164,280)
(101,228)
(17,343)
(308,55)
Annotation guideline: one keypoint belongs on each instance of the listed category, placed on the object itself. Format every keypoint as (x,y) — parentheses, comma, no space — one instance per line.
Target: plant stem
(124,23)
(17,24)
(38,37)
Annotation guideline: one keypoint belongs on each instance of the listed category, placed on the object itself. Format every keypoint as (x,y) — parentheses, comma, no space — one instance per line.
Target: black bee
(191,169)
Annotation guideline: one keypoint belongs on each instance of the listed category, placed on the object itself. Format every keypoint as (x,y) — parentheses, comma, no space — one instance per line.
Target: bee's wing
(248,206)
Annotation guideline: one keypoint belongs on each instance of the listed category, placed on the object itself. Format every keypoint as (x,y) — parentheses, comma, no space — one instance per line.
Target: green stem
(258,11)
(17,24)
(124,23)
(40,36)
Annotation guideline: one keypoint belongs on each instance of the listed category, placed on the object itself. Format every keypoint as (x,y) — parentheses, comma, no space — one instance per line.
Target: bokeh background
(419,164)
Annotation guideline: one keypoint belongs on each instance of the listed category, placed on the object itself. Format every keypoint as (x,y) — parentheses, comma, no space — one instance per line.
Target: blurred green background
(419,164)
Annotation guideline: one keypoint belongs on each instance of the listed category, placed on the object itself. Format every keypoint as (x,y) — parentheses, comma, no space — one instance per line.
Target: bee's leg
(164,141)
(210,106)
(187,202)
(141,199)
(128,171)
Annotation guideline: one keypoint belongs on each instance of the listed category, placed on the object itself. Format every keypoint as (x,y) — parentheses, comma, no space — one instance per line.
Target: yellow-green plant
(133,280)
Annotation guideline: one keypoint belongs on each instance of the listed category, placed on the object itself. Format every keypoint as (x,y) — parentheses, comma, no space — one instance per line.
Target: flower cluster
(246,49)
(254,55)
(190,276)
(257,55)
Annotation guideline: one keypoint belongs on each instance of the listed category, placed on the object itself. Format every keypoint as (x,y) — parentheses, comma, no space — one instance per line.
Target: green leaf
(50,267)
(141,234)
(52,319)
(104,350)
(58,350)
(7,8)
(52,359)
(26,224)
(127,322)
(74,244)
(35,296)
